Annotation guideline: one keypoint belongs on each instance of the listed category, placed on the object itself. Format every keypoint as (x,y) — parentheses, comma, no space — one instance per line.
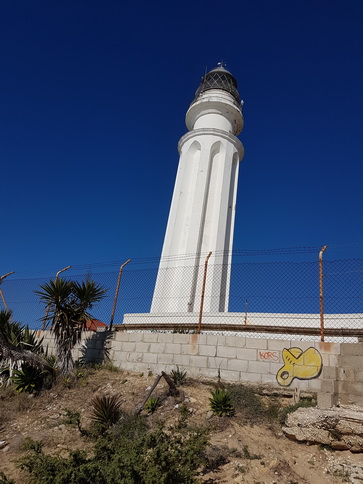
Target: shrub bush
(129,453)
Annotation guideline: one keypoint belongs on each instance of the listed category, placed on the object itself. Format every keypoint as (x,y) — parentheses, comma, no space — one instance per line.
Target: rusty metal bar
(321,292)
(48,306)
(203,292)
(2,294)
(65,269)
(116,293)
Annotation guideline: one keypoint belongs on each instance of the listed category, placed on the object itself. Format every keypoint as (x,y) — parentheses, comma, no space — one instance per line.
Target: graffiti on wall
(273,356)
(303,365)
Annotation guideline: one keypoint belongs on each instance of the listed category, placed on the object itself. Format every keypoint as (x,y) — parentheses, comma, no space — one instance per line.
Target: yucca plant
(106,410)
(18,346)
(178,376)
(28,379)
(221,403)
(68,303)
(152,404)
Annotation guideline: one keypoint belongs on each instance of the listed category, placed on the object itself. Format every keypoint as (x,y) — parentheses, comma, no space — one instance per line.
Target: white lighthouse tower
(201,218)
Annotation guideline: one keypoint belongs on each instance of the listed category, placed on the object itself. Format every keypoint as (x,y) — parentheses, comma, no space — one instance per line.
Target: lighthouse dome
(219,78)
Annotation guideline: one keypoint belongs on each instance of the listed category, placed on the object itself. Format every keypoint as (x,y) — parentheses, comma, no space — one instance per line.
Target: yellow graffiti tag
(303,365)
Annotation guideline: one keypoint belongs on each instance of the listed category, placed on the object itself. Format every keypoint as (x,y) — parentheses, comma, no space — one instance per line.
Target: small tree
(68,303)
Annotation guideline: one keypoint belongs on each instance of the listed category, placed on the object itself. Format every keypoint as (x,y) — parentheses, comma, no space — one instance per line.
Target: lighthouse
(202,212)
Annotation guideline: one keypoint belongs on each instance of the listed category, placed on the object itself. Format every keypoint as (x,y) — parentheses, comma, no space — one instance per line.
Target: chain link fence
(257,297)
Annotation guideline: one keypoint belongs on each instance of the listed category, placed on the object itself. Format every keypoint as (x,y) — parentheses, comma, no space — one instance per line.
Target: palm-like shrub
(68,303)
(106,410)
(221,403)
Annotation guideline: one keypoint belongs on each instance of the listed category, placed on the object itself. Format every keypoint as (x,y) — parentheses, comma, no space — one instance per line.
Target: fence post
(116,293)
(48,306)
(321,292)
(203,291)
(2,294)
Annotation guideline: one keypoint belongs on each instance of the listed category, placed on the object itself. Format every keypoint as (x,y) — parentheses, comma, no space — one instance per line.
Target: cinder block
(354,388)
(182,361)
(165,337)
(217,363)
(135,357)
(358,376)
(120,356)
(165,359)
(198,361)
(207,350)
(348,399)
(150,337)
(150,358)
(257,343)
(314,385)
(135,336)
(333,360)
(237,365)
(250,377)
(229,375)
(216,340)
(173,348)
(269,356)
(237,341)
(326,400)
(271,379)
(324,359)
(200,339)
(189,349)
(181,338)
(346,374)
(141,347)
(209,373)
(127,346)
(330,348)
(302,384)
(258,367)
(327,386)
(227,352)
(246,354)
(121,336)
(278,344)
(274,368)
(351,361)
(157,348)
(352,349)
(330,373)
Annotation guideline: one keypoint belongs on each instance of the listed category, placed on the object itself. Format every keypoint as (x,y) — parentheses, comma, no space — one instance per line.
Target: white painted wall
(202,213)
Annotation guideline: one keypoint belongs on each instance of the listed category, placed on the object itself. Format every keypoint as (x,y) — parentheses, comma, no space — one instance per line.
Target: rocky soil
(254,451)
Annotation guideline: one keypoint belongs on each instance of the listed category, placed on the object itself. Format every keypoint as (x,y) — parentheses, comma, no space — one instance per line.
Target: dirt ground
(255,453)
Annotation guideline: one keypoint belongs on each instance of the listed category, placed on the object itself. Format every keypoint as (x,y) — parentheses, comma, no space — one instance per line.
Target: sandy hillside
(250,451)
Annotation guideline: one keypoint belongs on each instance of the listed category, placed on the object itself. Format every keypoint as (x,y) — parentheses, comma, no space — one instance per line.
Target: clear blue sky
(92,103)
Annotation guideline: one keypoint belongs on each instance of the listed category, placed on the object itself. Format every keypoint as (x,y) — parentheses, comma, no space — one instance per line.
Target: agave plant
(106,410)
(28,379)
(152,404)
(178,376)
(221,403)
(68,303)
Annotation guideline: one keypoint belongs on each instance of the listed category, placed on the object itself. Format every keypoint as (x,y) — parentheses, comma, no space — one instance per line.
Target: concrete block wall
(239,359)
